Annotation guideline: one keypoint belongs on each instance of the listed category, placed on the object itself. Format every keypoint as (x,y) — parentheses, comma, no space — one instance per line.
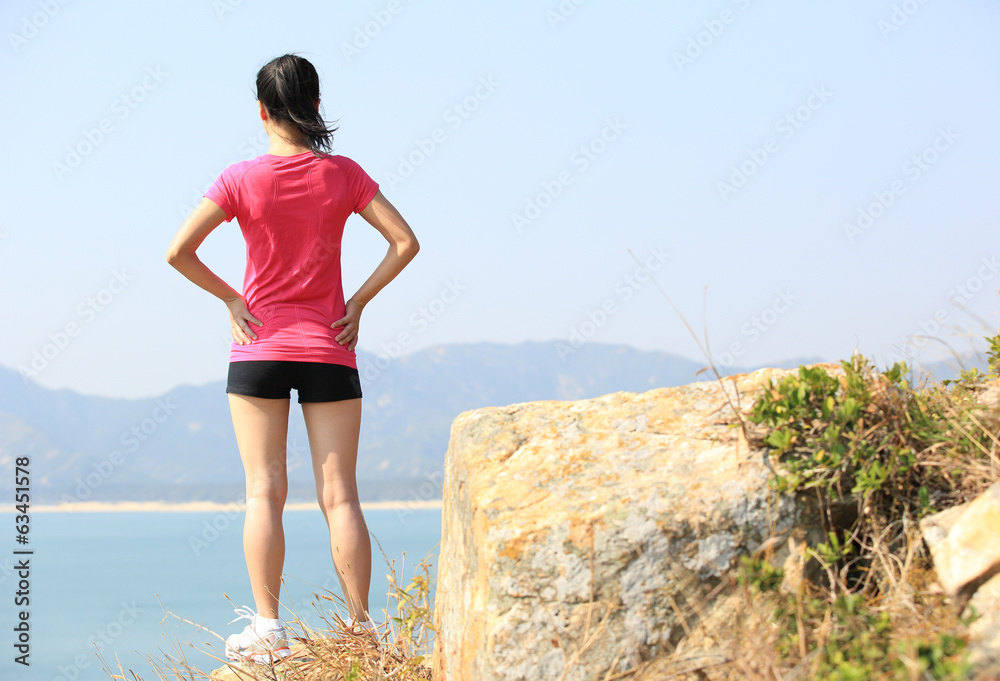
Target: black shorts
(314,381)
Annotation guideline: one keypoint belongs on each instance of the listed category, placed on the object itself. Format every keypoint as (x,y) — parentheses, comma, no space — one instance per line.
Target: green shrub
(896,452)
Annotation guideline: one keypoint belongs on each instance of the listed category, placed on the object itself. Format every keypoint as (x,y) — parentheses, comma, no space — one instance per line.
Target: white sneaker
(263,646)
(367,624)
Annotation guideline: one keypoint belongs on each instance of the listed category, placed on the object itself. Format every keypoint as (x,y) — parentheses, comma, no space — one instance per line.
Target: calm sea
(109,577)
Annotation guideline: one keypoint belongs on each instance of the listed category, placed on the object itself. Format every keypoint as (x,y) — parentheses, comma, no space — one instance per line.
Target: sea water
(106,581)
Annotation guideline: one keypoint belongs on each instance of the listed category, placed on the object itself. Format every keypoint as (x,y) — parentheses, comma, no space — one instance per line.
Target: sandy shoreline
(202,506)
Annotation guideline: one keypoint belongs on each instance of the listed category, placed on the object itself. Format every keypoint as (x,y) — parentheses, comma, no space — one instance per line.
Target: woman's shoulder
(343,164)
(341,160)
(238,169)
(337,163)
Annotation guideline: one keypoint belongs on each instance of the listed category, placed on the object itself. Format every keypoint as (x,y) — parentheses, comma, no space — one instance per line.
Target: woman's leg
(261,427)
(334,428)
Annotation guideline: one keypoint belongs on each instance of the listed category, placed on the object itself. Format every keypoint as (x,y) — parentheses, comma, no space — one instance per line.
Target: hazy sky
(801,178)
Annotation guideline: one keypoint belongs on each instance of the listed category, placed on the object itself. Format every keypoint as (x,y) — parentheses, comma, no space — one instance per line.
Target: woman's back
(292,210)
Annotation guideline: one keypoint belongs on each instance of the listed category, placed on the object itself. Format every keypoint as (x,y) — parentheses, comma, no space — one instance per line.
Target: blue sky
(802,179)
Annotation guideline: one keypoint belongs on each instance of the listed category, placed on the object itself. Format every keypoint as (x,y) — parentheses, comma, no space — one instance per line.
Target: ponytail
(288,87)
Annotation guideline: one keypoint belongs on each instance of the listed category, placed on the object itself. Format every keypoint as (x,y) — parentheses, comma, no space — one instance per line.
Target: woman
(292,328)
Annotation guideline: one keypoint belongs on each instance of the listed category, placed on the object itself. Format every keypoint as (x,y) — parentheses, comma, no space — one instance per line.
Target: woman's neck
(285,149)
(280,146)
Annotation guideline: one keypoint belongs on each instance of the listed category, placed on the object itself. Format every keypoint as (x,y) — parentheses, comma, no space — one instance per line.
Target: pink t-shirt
(292,211)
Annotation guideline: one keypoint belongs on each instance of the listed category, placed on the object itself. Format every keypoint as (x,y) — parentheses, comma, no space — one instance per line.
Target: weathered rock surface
(581,538)
(965,544)
(984,653)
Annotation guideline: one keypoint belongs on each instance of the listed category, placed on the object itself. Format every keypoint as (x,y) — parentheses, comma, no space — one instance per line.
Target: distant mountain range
(180,446)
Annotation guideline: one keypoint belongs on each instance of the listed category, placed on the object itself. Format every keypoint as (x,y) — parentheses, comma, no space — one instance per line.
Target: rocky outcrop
(581,538)
(965,544)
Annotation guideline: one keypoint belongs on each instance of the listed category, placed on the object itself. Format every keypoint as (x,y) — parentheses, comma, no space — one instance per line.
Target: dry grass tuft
(333,649)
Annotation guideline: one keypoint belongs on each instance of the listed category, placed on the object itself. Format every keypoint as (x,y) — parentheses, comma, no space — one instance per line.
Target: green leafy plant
(870,436)
(834,551)
(847,639)
(870,440)
(759,573)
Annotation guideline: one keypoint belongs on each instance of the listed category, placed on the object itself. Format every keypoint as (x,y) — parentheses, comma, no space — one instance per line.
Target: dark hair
(288,87)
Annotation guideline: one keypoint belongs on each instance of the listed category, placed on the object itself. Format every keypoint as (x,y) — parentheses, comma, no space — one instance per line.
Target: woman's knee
(330,496)
(271,489)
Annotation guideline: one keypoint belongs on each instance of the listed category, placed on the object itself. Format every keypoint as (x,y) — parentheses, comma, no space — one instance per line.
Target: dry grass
(397,650)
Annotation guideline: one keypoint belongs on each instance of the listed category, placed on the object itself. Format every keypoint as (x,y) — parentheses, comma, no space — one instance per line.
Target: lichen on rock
(584,537)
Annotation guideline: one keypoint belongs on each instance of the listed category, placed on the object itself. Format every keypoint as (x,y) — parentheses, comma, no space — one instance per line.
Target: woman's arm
(384,217)
(181,254)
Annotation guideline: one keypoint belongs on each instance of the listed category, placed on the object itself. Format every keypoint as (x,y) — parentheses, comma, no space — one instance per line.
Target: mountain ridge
(179,446)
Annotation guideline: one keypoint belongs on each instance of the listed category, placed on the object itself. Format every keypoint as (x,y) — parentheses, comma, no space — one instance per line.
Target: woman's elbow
(176,256)
(409,248)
